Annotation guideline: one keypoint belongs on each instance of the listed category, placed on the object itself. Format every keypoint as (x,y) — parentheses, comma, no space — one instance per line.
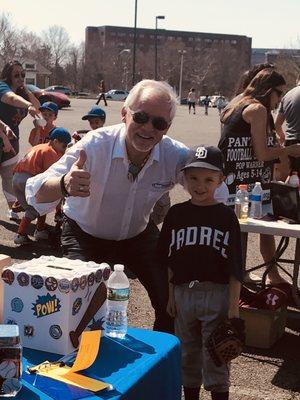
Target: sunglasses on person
(278,92)
(19,75)
(141,117)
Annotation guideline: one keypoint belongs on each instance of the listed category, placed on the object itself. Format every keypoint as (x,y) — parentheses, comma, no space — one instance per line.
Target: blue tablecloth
(146,365)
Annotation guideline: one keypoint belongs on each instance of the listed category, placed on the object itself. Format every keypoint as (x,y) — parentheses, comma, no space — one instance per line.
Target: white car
(116,94)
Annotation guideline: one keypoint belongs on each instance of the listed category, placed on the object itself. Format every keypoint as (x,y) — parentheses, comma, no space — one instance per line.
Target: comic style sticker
(37,281)
(46,305)
(98,275)
(8,276)
(75,284)
(55,331)
(10,321)
(28,330)
(51,283)
(91,279)
(76,306)
(64,285)
(17,304)
(106,273)
(23,279)
(83,282)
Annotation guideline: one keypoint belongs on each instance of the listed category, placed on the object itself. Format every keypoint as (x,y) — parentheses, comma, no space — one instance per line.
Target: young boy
(96,117)
(39,134)
(200,244)
(37,160)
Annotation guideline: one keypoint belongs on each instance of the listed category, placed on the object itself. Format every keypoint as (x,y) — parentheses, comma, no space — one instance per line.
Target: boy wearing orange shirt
(36,161)
(40,134)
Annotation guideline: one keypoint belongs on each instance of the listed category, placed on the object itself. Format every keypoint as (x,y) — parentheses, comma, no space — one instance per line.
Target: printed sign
(46,305)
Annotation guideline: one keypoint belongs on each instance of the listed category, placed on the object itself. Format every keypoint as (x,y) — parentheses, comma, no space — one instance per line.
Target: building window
(111,33)
(207,40)
(216,41)
(171,38)
(141,35)
(131,35)
(198,39)
(29,66)
(151,36)
(121,34)
(233,42)
(191,39)
(30,81)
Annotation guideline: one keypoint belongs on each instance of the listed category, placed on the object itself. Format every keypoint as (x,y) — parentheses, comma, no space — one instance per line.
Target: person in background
(206,102)
(37,160)
(200,245)
(101,93)
(16,101)
(221,104)
(247,130)
(96,117)
(192,100)
(39,134)
(289,111)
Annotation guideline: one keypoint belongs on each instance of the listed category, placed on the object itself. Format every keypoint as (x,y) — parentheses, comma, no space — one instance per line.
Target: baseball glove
(226,342)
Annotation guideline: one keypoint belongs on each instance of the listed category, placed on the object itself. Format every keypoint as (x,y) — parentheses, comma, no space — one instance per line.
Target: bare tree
(9,39)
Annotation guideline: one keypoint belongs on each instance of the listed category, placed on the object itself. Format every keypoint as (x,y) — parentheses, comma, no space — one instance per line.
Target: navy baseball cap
(61,134)
(49,105)
(95,112)
(208,157)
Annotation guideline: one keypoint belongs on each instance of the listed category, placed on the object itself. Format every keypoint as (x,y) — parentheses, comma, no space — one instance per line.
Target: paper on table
(87,353)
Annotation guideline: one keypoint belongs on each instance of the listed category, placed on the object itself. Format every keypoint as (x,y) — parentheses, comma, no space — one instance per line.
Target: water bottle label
(118,294)
(255,197)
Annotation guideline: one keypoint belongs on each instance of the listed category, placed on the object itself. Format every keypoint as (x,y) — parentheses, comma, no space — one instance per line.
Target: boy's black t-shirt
(201,243)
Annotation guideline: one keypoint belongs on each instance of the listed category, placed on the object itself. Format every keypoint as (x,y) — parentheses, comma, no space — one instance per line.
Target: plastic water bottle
(256,198)
(117,302)
(294,179)
(241,203)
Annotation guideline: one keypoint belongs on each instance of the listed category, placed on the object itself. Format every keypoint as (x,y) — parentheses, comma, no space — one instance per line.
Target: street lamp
(155,62)
(134,43)
(181,52)
(125,69)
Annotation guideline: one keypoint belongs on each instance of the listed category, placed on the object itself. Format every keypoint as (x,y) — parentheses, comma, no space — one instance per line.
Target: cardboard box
(263,327)
(53,300)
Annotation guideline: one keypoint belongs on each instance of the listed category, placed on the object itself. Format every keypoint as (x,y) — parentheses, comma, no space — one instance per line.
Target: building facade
(211,62)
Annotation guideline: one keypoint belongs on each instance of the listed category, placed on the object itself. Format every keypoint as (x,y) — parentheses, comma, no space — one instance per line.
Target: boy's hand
(171,306)
(77,180)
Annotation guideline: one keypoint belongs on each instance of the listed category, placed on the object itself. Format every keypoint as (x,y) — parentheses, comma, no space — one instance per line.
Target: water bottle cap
(119,267)
(258,183)
(243,187)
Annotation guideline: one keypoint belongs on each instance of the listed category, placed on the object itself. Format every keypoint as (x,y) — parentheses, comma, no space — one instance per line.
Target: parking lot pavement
(257,374)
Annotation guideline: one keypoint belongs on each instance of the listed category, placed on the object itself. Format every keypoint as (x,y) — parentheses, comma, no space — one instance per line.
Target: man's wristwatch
(63,189)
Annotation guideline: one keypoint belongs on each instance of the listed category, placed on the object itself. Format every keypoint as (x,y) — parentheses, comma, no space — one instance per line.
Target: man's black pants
(138,254)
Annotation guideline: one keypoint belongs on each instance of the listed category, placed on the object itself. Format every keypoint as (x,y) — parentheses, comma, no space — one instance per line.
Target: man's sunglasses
(141,117)
(278,92)
(21,75)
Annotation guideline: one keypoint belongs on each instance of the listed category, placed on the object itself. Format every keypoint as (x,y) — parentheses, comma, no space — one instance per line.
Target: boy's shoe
(22,239)
(250,277)
(13,216)
(41,235)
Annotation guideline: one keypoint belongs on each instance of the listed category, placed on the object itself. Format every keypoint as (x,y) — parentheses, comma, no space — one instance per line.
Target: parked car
(58,98)
(115,94)
(62,89)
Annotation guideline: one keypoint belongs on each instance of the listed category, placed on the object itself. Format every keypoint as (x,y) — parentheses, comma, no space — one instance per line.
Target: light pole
(125,69)
(134,43)
(181,52)
(155,60)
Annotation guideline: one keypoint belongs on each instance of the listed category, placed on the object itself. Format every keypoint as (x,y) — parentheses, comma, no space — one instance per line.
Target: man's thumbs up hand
(77,180)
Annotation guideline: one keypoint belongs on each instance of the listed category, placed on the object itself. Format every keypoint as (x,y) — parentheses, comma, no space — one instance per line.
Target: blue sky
(270,23)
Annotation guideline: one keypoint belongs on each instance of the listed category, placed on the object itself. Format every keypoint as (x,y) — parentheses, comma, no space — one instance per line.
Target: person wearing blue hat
(37,160)
(96,117)
(42,126)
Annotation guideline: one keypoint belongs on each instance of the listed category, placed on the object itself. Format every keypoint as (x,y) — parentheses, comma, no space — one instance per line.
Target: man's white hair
(152,87)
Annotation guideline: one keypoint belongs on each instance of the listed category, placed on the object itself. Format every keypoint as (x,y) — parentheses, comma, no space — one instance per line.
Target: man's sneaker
(22,239)
(41,235)
(13,216)
(16,207)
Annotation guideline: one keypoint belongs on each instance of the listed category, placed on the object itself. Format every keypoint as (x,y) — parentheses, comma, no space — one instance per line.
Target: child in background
(36,161)
(39,134)
(96,117)
(201,246)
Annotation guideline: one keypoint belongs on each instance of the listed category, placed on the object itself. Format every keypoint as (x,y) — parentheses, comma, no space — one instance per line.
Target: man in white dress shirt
(111,180)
